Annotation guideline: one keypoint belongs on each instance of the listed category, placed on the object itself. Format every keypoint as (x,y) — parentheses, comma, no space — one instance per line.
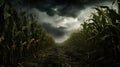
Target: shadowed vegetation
(24,43)
(97,43)
(21,38)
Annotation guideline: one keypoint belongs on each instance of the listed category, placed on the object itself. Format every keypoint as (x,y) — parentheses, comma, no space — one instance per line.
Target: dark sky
(60,7)
(60,17)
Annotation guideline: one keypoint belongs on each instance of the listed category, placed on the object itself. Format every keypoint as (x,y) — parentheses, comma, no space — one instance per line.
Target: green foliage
(98,41)
(21,38)
(23,42)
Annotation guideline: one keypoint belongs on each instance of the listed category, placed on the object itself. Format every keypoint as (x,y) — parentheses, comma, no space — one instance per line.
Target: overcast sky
(60,17)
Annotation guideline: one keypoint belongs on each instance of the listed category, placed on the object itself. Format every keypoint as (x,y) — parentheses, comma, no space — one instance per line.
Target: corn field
(25,43)
(98,43)
(21,38)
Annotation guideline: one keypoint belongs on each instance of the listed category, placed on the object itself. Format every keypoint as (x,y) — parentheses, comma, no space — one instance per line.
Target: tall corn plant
(104,32)
(99,39)
(20,36)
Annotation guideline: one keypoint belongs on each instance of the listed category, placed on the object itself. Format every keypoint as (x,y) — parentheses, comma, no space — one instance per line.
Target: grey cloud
(56,32)
(63,7)
(58,17)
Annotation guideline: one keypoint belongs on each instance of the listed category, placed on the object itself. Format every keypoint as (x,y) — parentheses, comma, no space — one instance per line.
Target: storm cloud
(60,17)
(58,32)
(60,7)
